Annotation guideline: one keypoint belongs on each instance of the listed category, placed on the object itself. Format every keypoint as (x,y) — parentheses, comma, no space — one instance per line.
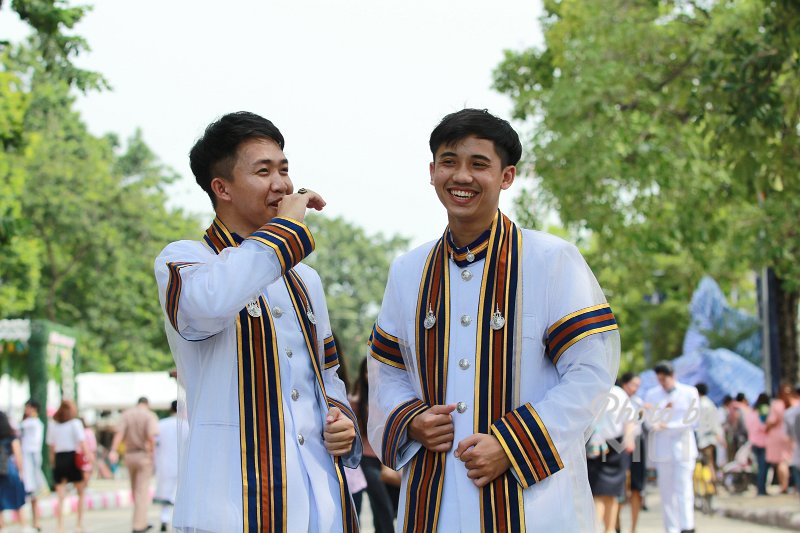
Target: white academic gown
(213,289)
(556,282)
(672,449)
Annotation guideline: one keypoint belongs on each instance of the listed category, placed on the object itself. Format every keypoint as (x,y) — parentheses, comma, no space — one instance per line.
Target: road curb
(784,517)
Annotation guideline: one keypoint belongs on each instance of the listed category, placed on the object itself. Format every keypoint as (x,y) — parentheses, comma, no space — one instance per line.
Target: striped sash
(262,429)
(501,500)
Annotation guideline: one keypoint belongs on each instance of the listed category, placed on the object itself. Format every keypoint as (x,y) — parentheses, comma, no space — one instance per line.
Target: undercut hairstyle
(214,154)
(664,368)
(458,126)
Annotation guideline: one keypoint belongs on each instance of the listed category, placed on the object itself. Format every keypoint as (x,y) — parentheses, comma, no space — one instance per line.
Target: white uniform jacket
(679,412)
(557,389)
(249,330)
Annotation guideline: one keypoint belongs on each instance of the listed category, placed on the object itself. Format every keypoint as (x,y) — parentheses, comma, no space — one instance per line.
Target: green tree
(354,267)
(19,260)
(669,130)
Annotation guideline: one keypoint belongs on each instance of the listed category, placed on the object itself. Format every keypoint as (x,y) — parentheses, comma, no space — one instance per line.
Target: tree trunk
(787,302)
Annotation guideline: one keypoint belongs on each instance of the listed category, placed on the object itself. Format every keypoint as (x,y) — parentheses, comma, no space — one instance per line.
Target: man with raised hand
(269,426)
(491,355)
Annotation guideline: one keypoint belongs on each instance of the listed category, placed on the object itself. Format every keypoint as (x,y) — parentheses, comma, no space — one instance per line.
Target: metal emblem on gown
(497,321)
(254,309)
(430,318)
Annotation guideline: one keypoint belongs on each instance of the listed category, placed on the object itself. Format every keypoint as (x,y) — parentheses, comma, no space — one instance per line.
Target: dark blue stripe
(577,318)
(554,350)
(300,230)
(283,249)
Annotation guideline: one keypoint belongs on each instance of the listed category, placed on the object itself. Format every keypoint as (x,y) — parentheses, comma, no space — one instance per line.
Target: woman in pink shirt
(757,435)
(779,445)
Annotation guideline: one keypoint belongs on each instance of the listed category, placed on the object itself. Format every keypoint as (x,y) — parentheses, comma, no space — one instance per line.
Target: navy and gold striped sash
(262,429)
(501,501)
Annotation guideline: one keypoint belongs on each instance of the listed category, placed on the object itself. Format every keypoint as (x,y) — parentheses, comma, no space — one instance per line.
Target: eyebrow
(268,162)
(473,156)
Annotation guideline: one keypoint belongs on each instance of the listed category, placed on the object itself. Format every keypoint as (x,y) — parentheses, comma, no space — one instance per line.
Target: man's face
(468,178)
(260,181)
(666,382)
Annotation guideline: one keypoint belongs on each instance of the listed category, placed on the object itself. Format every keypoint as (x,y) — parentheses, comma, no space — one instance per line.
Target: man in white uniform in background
(268,421)
(167,465)
(491,355)
(673,412)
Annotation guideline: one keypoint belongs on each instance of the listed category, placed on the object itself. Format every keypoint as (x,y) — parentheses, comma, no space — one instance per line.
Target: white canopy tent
(121,390)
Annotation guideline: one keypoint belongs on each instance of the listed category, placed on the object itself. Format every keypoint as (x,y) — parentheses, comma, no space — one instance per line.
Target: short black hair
(627,377)
(214,154)
(740,397)
(143,399)
(483,125)
(702,389)
(664,368)
(173,407)
(33,403)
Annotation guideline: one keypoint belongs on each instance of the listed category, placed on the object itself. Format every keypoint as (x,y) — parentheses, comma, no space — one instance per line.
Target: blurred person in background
(630,383)
(12,489)
(90,440)
(709,430)
(756,423)
(167,464)
(672,447)
(137,427)
(356,482)
(32,441)
(779,446)
(608,466)
(65,437)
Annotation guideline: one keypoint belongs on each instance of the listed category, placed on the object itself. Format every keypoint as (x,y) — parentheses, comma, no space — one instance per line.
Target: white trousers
(677,494)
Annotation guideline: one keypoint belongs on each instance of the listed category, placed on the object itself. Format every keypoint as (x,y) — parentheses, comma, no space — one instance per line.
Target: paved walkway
(110,512)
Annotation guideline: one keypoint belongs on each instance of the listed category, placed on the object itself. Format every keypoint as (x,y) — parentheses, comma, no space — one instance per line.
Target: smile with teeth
(458,193)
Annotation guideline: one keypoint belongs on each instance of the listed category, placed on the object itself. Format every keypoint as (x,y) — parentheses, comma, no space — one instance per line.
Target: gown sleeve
(582,341)
(200,292)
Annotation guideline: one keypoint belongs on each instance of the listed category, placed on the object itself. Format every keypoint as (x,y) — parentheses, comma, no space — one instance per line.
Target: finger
(333,414)
(467,443)
(482,481)
(445,447)
(337,426)
(442,439)
(442,409)
(316,202)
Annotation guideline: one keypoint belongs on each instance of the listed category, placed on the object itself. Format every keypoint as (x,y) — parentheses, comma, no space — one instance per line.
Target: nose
(281,185)
(462,175)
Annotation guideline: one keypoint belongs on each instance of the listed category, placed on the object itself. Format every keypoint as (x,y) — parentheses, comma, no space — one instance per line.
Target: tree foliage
(670,131)
(81,217)
(354,267)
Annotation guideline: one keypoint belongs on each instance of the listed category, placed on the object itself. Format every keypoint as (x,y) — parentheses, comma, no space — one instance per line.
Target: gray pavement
(118,520)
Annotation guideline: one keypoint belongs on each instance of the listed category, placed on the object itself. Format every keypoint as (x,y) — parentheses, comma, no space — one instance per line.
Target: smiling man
(491,354)
(268,425)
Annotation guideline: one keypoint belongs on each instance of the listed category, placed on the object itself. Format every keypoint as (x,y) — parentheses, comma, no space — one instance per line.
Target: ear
(431,168)
(509,173)
(220,188)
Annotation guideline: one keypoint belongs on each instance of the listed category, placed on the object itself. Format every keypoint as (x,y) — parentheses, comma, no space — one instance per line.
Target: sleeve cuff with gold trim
(174,291)
(576,326)
(394,432)
(528,445)
(331,353)
(345,409)
(385,348)
(291,240)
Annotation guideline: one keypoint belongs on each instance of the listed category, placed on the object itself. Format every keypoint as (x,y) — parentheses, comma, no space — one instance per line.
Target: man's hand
(484,458)
(294,205)
(339,432)
(434,428)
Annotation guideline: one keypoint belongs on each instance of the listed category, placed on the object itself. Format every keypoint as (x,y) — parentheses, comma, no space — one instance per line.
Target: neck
(235,225)
(466,231)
